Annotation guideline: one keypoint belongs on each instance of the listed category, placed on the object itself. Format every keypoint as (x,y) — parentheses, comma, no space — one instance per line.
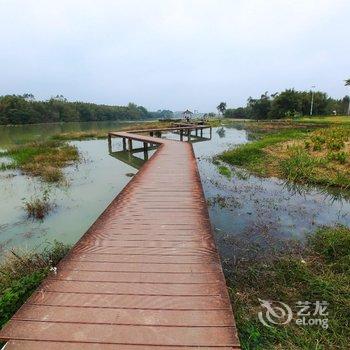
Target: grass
(320,157)
(324,120)
(225,171)
(43,159)
(320,272)
(252,155)
(21,273)
(38,208)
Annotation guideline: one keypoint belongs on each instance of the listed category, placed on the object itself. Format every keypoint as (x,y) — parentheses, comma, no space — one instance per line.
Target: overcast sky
(172,54)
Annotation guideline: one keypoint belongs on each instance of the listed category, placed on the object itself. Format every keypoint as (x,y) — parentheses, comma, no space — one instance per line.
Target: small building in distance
(187,115)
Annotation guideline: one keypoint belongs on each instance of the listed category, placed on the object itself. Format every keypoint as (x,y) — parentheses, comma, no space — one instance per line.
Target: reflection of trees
(221,132)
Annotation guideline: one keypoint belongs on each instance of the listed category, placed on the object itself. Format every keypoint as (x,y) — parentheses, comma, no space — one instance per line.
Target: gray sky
(172,54)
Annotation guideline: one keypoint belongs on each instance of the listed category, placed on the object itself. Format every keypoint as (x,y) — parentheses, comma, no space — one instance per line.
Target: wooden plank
(146,275)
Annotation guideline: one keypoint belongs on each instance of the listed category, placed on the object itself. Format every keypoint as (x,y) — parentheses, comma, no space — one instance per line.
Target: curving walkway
(146,275)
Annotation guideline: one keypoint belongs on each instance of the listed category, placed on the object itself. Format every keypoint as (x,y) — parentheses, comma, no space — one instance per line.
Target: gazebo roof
(187,112)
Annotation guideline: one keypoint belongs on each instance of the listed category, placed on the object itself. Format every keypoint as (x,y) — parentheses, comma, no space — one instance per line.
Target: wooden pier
(146,275)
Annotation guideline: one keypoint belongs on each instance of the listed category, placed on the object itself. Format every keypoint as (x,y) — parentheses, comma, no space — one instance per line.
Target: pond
(241,207)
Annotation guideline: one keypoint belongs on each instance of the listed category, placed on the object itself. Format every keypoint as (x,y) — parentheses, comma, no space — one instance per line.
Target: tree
(24,109)
(260,108)
(221,107)
(284,104)
(239,113)
(347,83)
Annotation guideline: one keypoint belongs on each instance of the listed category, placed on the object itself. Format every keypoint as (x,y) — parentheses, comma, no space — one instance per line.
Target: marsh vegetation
(318,271)
(43,159)
(319,157)
(243,208)
(21,272)
(38,207)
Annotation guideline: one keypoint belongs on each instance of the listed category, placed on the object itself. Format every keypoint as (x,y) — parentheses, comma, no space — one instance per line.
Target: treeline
(288,104)
(24,109)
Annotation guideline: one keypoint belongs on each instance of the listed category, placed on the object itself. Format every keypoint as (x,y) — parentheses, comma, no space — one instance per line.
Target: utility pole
(347,83)
(312,99)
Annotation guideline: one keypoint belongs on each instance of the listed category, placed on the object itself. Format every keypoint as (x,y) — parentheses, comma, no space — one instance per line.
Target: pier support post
(181,135)
(196,132)
(189,135)
(201,132)
(151,134)
(210,132)
(130,144)
(109,143)
(145,151)
(124,144)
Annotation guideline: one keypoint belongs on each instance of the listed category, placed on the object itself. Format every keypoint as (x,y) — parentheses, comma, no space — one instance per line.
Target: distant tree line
(288,104)
(24,109)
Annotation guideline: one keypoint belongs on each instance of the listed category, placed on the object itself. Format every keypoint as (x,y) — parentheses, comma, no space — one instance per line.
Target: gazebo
(187,114)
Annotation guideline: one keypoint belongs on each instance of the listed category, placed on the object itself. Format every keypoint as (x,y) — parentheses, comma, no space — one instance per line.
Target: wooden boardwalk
(146,275)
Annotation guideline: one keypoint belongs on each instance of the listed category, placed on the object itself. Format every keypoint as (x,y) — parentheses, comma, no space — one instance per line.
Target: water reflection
(135,158)
(139,155)
(17,134)
(265,212)
(245,208)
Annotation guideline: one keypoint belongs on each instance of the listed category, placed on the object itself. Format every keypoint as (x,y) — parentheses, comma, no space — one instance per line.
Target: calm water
(242,207)
(17,134)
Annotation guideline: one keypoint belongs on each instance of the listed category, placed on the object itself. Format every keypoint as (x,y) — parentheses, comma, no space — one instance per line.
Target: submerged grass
(321,272)
(225,171)
(38,208)
(42,159)
(21,273)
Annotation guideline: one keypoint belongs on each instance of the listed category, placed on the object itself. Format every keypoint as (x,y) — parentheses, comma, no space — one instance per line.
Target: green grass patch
(300,166)
(225,171)
(43,159)
(321,272)
(21,273)
(252,155)
(320,157)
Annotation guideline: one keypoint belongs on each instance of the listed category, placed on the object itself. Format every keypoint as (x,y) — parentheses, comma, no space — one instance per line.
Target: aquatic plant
(43,159)
(225,171)
(21,272)
(38,208)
